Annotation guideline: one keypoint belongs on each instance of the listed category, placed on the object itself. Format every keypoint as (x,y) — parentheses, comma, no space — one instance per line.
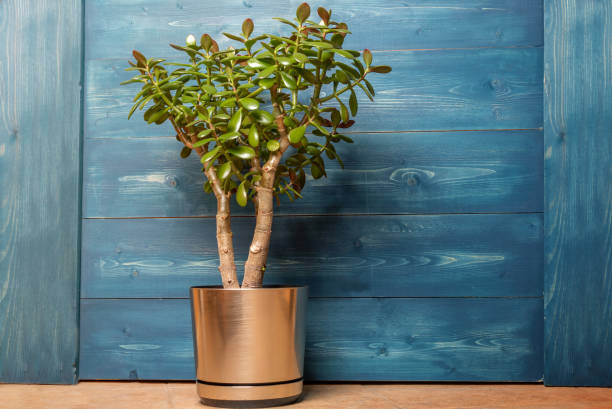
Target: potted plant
(245,111)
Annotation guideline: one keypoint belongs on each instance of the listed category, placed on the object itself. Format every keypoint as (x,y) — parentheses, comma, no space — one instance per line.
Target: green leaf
(343,53)
(343,112)
(235,122)
(228,136)
(296,134)
(204,133)
(203,142)
(253,136)
(263,117)
(302,12)
(300,58)
(365,90)
(233,37)
(273,145)
(185,152)
(267,83)
(307,75)
(210,154)
(247,27)
(381,69)
(241,194)
(367,57)
(209,89)
(243,152)
(284,60)
(228,103)
(316,171)
(353,103)
(288,80)
(224,170)
(285,21)
(318,44)
(255,63)
(370,87)
(249,104)
(266,72)
(341,76)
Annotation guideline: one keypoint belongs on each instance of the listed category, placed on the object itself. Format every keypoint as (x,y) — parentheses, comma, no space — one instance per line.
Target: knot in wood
(255,248)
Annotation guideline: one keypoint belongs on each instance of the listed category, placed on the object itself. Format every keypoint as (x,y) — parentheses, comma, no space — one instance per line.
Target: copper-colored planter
(249,345)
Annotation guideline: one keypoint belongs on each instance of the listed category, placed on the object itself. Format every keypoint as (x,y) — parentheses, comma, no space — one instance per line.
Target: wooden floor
(137,395)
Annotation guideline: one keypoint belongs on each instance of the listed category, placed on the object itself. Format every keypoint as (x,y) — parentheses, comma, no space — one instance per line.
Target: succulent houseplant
(259,115)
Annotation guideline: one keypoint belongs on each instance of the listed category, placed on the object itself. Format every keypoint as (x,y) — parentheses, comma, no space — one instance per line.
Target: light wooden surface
(40,141)
(578,206)
(126,395)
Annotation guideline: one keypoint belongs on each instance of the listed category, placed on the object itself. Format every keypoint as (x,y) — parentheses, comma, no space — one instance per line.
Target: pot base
(250,404)
(249,396)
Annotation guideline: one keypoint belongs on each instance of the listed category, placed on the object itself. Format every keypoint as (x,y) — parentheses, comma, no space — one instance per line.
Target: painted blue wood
(578,157)
(384,173)
(427,90)
(450,339)
(115,27)
(418,256)
(40,75)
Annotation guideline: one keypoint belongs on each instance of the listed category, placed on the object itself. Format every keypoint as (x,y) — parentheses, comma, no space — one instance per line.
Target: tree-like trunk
(258,251)
(225,244)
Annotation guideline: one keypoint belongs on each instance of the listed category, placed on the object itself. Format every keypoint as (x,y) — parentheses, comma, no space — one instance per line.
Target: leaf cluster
(240,106)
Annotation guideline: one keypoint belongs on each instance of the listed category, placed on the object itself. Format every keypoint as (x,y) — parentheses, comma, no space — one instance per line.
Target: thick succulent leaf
(249,104)
(242,194)
(242,152)
(297,134)
(253,136)
(235,122)
(224,170)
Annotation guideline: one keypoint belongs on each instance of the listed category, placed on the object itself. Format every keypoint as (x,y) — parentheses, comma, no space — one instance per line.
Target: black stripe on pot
(250,384)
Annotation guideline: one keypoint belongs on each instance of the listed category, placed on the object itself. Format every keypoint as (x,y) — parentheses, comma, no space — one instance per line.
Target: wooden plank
(427,90)
(405,173)
(40,75)
(420,256)
(578,157)
(116,27)
(493,339)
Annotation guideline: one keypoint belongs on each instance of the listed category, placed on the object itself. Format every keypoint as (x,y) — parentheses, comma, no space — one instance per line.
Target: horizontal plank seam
(540,129)
(489,47)
(336,297)
(212,216)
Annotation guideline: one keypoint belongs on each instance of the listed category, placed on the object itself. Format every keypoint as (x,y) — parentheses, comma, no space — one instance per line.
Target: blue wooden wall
(423,256)
(578,163)
(40,142)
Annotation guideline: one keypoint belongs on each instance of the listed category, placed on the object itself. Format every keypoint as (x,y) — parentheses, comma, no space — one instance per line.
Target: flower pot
(249,345)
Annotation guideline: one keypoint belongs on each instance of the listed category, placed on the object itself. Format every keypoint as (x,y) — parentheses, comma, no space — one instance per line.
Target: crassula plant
(260,115)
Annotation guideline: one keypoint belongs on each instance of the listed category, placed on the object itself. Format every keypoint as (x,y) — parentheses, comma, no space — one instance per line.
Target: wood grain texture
(406,173)
(348,339)
(40,75)
(427,90)
(578,163)
(418,256)
(182,395)
(116,27)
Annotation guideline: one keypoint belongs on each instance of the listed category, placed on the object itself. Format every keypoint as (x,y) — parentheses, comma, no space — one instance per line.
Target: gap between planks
(310,215)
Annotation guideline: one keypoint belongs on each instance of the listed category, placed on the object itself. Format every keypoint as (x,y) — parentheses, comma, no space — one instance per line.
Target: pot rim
(264,288)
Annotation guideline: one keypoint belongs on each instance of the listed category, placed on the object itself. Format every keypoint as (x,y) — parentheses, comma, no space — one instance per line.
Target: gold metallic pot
(249,345)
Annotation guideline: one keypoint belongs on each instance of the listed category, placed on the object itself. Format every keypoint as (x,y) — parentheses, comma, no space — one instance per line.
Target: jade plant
(259,115)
